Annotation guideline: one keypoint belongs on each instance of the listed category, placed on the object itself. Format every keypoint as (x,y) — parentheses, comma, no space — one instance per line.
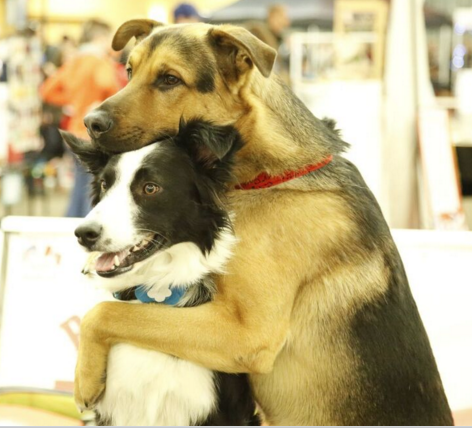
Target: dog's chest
(150,388)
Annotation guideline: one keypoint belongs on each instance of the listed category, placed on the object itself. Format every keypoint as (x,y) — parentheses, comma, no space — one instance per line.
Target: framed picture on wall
(364,16)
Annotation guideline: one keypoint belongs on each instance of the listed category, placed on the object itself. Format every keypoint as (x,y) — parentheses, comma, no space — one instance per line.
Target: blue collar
(140,293)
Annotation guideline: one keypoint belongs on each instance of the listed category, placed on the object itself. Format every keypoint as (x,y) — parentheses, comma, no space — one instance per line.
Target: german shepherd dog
(155,235)
(315,303)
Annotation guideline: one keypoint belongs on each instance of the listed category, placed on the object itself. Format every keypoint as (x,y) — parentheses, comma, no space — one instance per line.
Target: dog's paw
(90,372)
(89,384)
(87,396)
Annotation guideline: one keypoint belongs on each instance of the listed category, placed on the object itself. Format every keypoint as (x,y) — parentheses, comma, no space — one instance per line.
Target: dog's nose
(98,122)
(88,234)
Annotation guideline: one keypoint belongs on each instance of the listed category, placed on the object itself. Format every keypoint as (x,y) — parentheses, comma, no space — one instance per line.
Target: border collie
(155,235)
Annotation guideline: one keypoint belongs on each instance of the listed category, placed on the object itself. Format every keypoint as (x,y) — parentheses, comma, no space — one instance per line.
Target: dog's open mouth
(109,265)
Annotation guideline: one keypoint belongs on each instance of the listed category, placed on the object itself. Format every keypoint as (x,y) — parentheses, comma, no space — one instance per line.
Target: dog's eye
(151,188)
(130,73)
(171,80)
(103,185)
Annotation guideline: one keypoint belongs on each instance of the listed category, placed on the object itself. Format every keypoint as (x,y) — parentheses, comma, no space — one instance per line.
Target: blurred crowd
(79,79)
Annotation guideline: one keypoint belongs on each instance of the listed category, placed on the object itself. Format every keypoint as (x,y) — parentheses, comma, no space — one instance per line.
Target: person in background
(57,55)
(186,13)
(79,85)
(271,32)
(278,21)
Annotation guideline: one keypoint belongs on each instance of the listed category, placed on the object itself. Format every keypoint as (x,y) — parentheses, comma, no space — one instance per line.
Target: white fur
(149,388)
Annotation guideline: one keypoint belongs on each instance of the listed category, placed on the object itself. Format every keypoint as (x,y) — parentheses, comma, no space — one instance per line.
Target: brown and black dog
(315,304)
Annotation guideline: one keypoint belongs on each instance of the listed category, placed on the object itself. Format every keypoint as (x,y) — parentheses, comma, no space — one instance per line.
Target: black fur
(194,169)
(92,158)
(234,407)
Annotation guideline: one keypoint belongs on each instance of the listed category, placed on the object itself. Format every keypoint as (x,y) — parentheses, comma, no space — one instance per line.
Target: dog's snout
(88,234)
(98,122)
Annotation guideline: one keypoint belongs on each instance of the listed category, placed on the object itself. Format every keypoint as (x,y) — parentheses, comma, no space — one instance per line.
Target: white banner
(44,299)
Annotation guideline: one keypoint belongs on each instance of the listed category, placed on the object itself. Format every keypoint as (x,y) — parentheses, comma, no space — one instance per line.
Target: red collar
(264,180)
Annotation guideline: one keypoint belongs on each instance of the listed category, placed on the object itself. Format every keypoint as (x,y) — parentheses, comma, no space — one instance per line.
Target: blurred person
(54,57)
(278,21)
(68,48)
(272,32)
(186,13)
(57,55)
(80,84)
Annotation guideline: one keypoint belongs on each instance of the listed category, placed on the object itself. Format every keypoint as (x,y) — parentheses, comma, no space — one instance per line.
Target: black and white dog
(156,234)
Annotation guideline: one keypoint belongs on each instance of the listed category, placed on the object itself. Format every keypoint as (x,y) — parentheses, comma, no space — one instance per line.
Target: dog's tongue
(106,261)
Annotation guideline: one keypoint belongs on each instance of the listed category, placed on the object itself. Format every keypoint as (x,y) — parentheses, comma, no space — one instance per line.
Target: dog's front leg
(211,335)
(90,371)
(242,330)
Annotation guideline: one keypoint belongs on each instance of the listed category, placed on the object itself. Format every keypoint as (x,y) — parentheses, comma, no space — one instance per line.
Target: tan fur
(281,309)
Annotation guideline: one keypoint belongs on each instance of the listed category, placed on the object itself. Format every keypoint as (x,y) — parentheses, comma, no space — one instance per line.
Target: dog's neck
(280,131)
(181,266)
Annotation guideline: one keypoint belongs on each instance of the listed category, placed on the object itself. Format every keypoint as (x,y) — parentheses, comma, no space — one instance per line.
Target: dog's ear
(238,51)
(139,28)
(207,144)
(90,156)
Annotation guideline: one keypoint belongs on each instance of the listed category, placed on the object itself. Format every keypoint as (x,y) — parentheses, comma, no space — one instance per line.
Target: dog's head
(181,71)
(150,202)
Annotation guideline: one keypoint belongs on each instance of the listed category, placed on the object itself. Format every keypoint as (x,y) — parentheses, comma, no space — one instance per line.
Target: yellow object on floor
(15,415)
(20,406)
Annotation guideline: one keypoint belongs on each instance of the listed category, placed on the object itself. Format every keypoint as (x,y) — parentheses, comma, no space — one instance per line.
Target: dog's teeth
(145,242)
(116,261)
